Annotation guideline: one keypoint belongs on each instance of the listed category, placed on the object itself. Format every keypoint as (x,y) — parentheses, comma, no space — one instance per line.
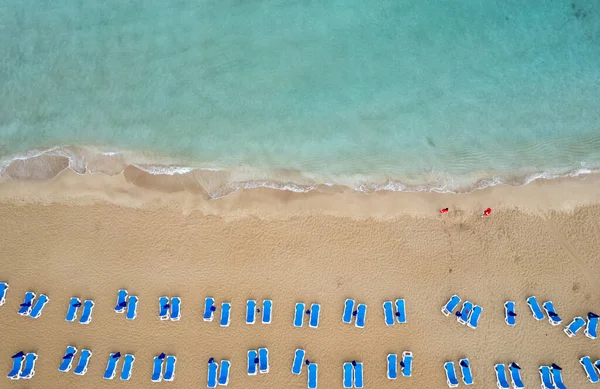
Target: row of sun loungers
(67,361)
(169,308)
(591,328)
(30,306)
(216,375)
(391,317)
(74,305)
(23,366)
(168,373)
(353,375)
(258,361)
(405,365)
(312,313)
(465,369)
(502,376)
(126,304)
(359,315)
(469,314)
(538,314)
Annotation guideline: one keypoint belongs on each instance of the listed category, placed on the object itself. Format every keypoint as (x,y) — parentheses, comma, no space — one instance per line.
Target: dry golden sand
(88,236)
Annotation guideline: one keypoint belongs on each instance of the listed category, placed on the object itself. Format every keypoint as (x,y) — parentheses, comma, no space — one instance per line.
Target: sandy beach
(90,235)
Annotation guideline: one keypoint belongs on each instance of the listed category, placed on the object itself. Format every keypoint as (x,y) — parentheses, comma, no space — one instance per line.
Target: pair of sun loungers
(126,304)
(213,372)
(551,377)
(548,307)
(313,313)
(391,317)
(113,362)
(353,375)
(360,314)
(74,305)
(469,314)
(591,329)
(252,310)
(67,361)
(592,369)
(312,368)
(465,368)
(169,309)
(258,361)
(168,373)
(502,376)
(405,365)
(30,306)
(210,309)
(23,366)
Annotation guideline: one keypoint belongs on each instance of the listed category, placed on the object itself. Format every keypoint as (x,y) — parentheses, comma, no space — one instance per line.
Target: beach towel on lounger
(67,360)
(551,312)
(121,301)
(26,304)
(163,307)
(74,304)
(17,361)
(510,315)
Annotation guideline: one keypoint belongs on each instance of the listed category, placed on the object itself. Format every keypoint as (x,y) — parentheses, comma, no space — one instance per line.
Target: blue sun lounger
(252,365)
(121,301)
(127,366)
(392,366)
(72,310)
(451,305)
(574,326)
(298,361)
(17,364)
(358,375)
(170,363)
(536,310)
(250,311)
(67,359)
(224,375)
(299,315)
(314,315)
(474,317)
(551,312)
(175,309)
(86,316)
(163,306)
(132,308)
(313,370)
(28,366)
(348,372)
(451,379)
(41,302)
(111,366)
(388,313)
(407,359)
(225,314)
(465,312)
(501,379)
(400,311)
(267,310)
(591,330)
(465,369)
(546,377)
(3,290)
(211,381)
(157,369)
(515,376)
(510,315)
(84,360)
(361,316)
(27,303)
(263,360)
(348,309)
(209,303)
(588,367)
(557,377)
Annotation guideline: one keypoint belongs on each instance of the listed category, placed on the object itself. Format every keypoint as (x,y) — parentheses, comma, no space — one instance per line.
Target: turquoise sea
(382,94)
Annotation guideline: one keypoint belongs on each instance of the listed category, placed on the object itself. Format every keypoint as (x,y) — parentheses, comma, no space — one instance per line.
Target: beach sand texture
(91,249)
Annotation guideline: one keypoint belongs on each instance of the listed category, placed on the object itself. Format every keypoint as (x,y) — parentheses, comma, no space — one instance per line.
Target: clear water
(429,93)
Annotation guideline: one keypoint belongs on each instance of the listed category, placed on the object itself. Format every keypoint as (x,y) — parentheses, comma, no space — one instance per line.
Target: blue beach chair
(267,310)
(557,377)
(551,312)
(299,315)
(400,311)
(263,360)
(348,375)
(3,291)
(574,326)
(211,381)
(41,302)
(27,303)
(474,317)
(84,360)
(313,370)
(175,308)
(86,316)
(18,363)
(407,359)
(157,369)
(591,330)
(121,301)
(501,379)
(111,366)
(392,366)
(298,361)
(163,306)
(67,359)
(358,375)
(515,376)
(170,363)
(546,377)
(250,311)
(465,312)
(209,303)
(361,316)
(451,379)
(451,305)
(536,310)
(465,369)
(314,315)
(510,315)
(348,309)
(74,304)
(224,375)
(225,314)
(132,308)
(388,313)
(28,367)
(252,365)
(127,366)
(588,367)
